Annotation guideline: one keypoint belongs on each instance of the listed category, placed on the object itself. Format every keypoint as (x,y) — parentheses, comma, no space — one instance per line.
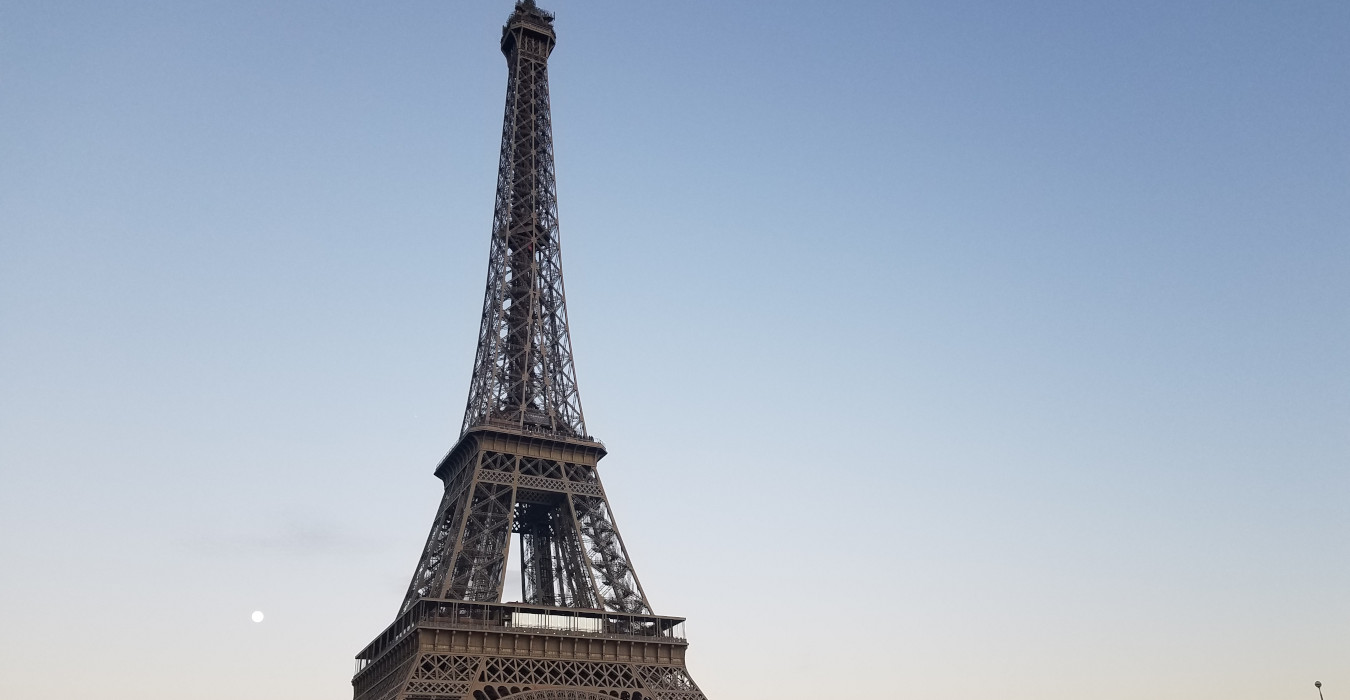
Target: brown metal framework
(525,465)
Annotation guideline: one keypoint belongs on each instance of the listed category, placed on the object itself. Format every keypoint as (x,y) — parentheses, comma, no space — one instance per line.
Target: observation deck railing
(436,613)
(528,429)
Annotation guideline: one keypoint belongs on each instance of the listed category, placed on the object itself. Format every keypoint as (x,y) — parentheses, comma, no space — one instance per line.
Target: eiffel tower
(525,465)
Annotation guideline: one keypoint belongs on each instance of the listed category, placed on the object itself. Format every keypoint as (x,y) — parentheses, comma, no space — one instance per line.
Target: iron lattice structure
(525,465)
(523,374)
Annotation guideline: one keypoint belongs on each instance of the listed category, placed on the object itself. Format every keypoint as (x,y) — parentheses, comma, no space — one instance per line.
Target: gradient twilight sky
(943,349)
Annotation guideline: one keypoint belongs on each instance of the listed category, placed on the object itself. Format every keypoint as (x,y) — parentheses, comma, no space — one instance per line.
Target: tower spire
(523,373)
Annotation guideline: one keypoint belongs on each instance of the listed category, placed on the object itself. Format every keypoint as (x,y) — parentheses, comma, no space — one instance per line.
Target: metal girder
(572,552)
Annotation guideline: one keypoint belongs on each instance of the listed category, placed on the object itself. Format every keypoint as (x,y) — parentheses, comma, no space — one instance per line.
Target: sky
(942,349)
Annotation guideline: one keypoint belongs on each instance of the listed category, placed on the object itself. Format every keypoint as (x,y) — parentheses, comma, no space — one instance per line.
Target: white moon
(257,616)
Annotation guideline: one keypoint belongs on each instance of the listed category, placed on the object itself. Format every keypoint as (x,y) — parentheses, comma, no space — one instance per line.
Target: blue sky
(942,349)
